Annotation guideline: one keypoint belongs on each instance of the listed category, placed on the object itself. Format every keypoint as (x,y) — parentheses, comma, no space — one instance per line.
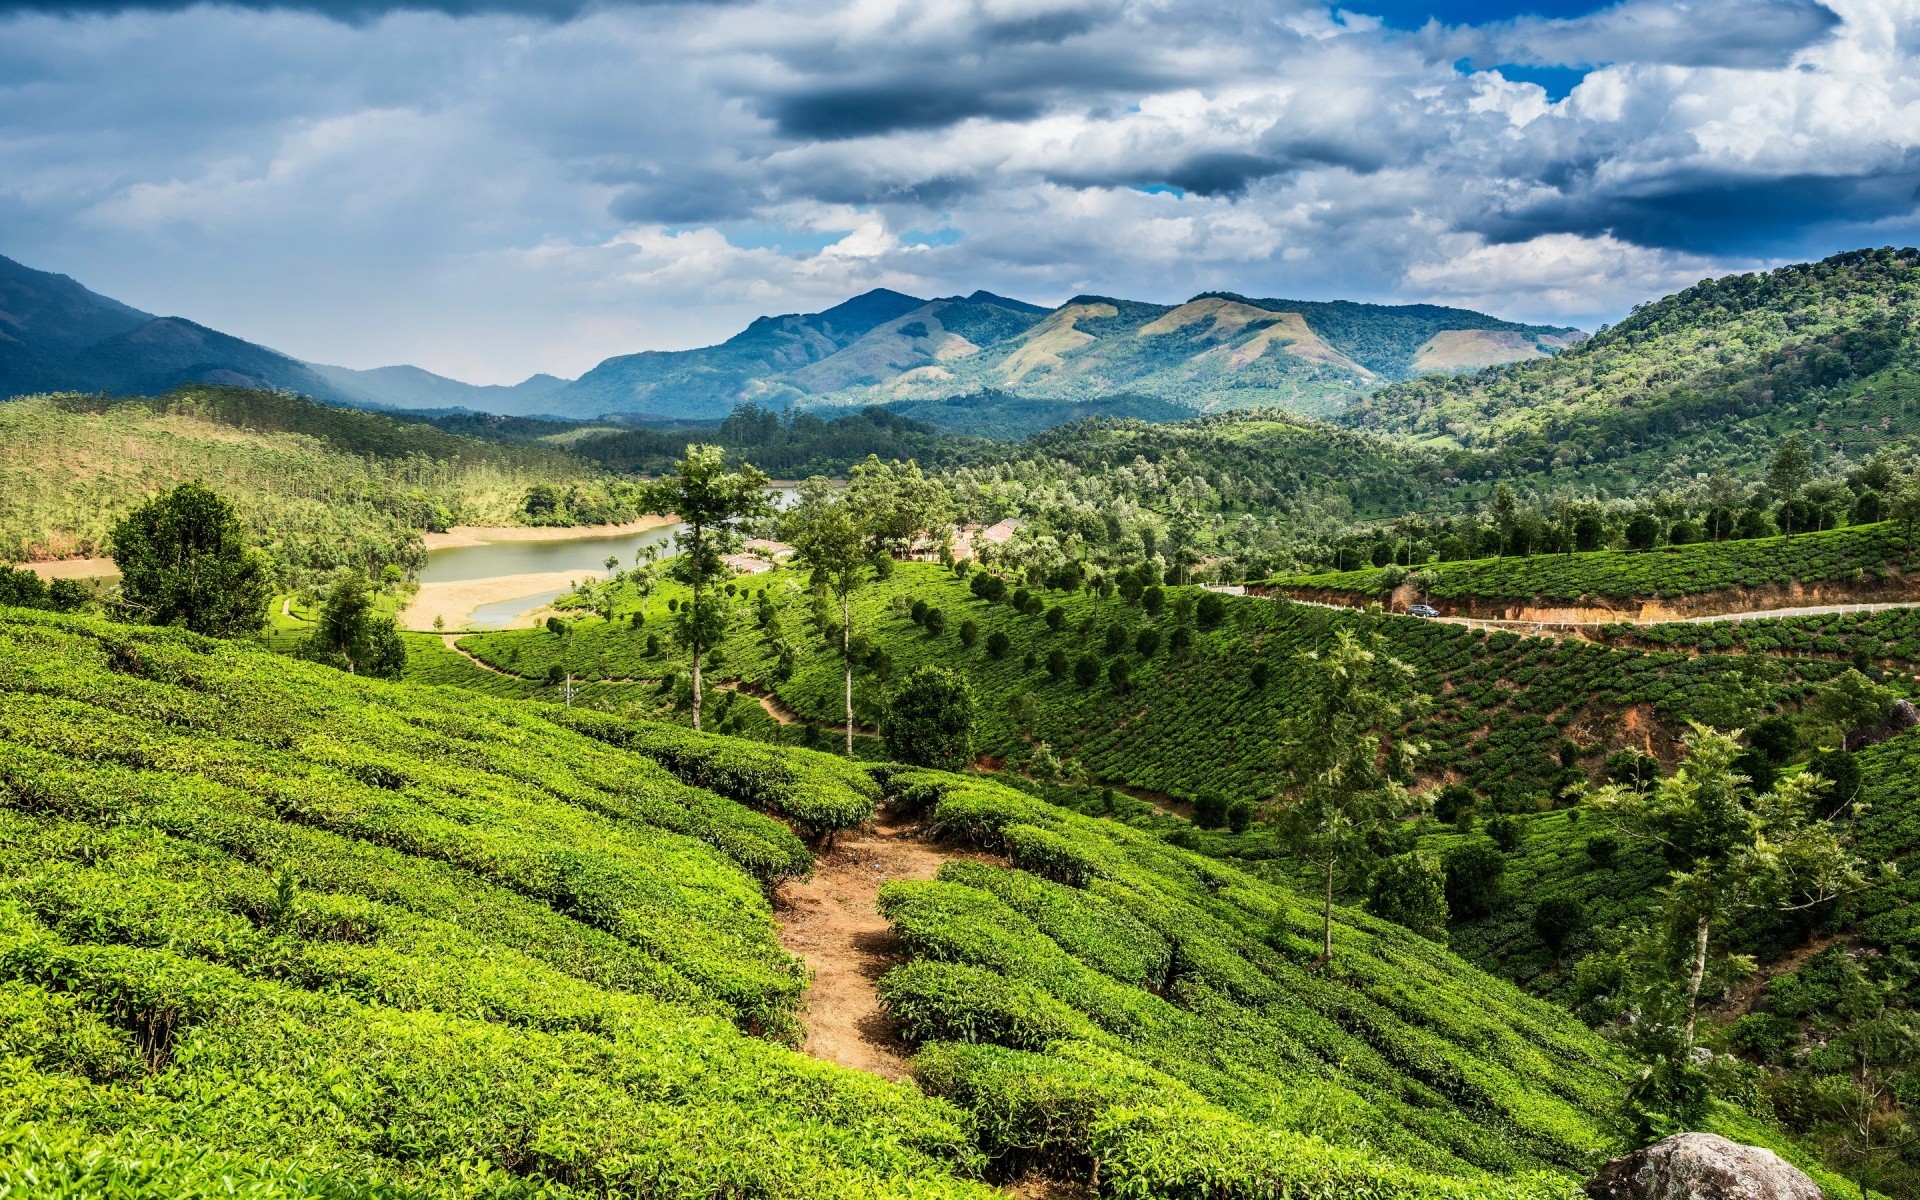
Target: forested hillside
(321,487)
(1721,350)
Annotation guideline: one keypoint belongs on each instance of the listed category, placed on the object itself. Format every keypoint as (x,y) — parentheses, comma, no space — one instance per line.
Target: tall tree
(897,503)
(1790,470)
(708,499)
(829,537)
(1347,768)
(352,637)
(1905,507)
(1506,514)
(1727,852)
(184,560)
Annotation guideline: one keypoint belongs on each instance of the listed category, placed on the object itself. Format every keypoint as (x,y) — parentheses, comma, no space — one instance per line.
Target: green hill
(323,936)
(1702,358)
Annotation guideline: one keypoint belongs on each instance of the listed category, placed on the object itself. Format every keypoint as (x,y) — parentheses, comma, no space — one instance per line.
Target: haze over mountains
(1216,351)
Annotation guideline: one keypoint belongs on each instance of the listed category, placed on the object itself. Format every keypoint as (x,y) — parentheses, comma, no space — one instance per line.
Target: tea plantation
(269,929)
(1207,683)
(1853,555)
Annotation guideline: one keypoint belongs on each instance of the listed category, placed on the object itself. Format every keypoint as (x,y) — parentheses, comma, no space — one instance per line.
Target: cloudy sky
(494,187)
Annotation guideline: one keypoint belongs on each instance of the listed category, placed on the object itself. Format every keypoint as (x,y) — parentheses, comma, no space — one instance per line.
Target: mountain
(1217,351)
(56,335)
(710,381)
(413,387)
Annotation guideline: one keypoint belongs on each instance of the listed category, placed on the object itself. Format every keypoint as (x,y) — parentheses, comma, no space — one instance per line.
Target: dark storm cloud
(1751,34)
(1721,214)
(846,112)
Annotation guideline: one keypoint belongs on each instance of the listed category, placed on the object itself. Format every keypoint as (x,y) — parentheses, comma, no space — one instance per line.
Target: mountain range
(1217,351)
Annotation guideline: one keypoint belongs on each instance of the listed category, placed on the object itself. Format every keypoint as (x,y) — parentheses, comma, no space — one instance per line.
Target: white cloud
(496,195)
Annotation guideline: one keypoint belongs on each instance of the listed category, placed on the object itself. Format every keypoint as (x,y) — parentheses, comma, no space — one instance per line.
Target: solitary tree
(1506,514)
(1905,507)
(708,499)
(352,637)
(1790,470)
(897,503)
(827,536)
(1346,769)
(1728,852)
(184,561)
(929,721)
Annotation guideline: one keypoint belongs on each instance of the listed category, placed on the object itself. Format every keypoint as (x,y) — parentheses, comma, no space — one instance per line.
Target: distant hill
(748,366)
(1217,351)
(56,335)
(415,388)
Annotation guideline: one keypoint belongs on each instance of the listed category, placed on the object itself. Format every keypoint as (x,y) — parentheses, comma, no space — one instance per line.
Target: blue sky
(490,188)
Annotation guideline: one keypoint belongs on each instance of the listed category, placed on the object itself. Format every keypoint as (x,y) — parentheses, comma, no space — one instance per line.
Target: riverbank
(485,535)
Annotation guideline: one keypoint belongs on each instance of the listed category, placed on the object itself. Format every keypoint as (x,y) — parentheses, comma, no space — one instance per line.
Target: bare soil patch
(833,922)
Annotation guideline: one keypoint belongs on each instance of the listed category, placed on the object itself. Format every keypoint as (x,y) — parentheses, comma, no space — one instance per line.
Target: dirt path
(832,921)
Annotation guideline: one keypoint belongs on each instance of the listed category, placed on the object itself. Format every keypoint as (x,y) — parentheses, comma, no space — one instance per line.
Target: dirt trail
(833,922)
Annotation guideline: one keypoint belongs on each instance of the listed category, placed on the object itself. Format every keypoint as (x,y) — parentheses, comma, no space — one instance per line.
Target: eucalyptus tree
(829,537)
(1347,766)
(709,500)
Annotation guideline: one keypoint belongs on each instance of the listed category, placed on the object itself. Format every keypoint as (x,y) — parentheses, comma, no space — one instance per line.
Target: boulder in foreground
(1701,1166)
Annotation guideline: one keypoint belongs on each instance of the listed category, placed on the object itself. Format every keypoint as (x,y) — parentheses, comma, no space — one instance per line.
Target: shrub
(1057,665)
(1505,832)
(1260,675)
(1410,890)
(1557,920)
(1603,848)
(1450,800)
(970,633)
(929,720)
(1210,609)
(1116,642)
(1086,670)
(998,643)
(1240,815)
(1475,876)
(1209,810)
(1120,675)
(1146,643)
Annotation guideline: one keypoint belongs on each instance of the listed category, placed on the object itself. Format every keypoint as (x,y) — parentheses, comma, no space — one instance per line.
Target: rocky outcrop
(1900,718)
(1701,1166)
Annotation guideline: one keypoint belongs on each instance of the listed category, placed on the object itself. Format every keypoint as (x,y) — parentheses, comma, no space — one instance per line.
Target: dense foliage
(318,488)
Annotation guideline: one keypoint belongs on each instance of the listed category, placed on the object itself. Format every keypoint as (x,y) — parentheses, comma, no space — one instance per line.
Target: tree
(929,720)
(1474,872)
(1557,920)
(1790,469)
(1728,853)
(1905,508)
(351,637)
(1642,531)
(1847,704)
(1345,770)
(184,561)
(708,499)
(1506,514)
(897,504)
(827,536)
(1410,889)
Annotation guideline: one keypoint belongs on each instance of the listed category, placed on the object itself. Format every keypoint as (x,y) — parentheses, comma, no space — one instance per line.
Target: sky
(490,188)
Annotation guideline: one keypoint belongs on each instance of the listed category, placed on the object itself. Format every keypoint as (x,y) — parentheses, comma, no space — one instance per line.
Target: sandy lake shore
(74,568)
(481,535)
(454,601)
